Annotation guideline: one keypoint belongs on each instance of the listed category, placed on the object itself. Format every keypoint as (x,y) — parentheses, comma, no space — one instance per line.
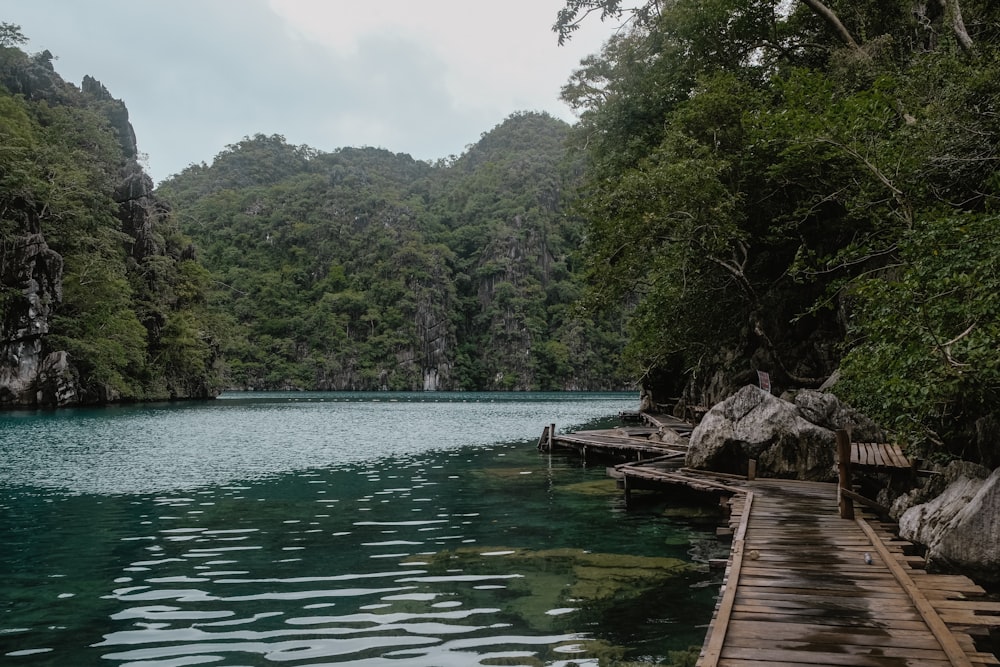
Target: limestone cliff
(98,296)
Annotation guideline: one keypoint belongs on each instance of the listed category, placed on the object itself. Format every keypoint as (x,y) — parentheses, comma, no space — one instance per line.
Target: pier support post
(752,470)
(552,436)
(543,442)
(844,474)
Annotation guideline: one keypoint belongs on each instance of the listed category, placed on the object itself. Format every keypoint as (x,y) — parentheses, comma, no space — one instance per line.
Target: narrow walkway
(805,587)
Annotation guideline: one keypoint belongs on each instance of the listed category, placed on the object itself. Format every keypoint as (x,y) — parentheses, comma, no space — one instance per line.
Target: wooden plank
(767,656)
(879,451)
(906,459)
(902,459)
(881,509)
(954,652)
(750,634)
(819,618)
(717,630)
(979,605)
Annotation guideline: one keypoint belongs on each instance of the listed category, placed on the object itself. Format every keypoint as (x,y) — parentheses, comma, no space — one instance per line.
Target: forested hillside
(101,298)
(280,266)
(801,187)
(362,269)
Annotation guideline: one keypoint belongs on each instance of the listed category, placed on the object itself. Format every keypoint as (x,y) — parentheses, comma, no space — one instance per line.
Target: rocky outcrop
(826,410)
(58,384)
(960,527)
(31,280)
(753,424)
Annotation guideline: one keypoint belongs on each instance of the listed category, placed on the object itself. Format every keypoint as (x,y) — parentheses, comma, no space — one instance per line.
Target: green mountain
(362,269)
(280,266)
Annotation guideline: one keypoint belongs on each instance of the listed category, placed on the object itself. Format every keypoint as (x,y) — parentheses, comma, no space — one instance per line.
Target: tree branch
(833,21)
(897,194)
(953,11)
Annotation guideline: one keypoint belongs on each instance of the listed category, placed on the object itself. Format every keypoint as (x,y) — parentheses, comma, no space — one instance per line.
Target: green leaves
(361,269)
(925,332)
(755,186)
(128,303)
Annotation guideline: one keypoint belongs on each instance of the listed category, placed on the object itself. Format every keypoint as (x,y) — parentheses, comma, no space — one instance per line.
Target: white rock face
(961,527)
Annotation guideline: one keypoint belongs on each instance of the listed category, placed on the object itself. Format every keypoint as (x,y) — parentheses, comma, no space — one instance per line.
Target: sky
(423,77)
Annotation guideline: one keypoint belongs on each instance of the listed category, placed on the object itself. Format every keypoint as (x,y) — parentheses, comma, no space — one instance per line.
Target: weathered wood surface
(661,420)
(613,442)
(879,455)
(629,443)
(805,587)
(665,472)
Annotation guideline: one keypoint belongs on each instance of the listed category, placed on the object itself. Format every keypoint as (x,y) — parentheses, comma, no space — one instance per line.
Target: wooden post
(628,492)
(752,470)
(543,441)
(552,436)
(844,474)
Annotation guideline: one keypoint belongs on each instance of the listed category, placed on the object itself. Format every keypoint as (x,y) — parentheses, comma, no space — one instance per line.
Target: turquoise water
(327,529)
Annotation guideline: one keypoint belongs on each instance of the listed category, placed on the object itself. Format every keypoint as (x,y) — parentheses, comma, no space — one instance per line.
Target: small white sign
(765,381)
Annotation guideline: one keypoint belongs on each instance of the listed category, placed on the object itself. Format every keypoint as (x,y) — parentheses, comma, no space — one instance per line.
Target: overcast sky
(424,77)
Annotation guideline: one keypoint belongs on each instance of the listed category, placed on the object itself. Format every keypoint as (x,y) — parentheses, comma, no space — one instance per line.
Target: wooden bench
(879,455)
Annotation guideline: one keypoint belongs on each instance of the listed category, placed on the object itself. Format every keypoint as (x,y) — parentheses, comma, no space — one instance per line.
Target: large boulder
(826,410)
(753,424)
(961,527)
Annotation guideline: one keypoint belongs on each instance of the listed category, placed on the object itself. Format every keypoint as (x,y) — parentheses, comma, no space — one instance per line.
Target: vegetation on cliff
(280,266)
(93,270)
(807,186)
(367,270)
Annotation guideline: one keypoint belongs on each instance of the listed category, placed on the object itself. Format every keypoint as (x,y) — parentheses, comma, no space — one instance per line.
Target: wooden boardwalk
(805,587)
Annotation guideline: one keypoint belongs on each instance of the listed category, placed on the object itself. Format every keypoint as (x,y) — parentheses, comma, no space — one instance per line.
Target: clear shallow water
(321,529)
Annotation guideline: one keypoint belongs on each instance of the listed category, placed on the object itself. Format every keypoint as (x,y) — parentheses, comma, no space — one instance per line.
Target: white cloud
(425,78)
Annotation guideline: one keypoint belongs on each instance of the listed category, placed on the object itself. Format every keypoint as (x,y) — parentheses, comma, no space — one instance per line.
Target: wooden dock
(803,586)
(626,443)
(806,587)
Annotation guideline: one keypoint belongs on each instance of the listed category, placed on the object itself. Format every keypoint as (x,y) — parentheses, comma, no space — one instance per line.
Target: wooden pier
(615,444)
(626,443)
(803,585)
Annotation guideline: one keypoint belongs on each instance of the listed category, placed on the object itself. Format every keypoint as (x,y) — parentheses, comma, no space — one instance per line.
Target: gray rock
(961,527)
(825,409)
(31,272)
(57,382)
(753,424)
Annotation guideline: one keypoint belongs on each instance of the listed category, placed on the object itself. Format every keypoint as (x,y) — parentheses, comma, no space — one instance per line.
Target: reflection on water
(454,555)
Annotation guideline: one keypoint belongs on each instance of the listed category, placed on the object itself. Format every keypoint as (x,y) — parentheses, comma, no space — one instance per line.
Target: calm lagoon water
(335,528)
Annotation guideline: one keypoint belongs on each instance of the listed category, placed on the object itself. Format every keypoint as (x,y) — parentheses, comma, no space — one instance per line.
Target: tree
(765,180)
(11,36)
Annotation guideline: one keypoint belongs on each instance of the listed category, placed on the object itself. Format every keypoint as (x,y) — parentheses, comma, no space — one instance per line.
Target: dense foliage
(794,187)
(280,266)
(92,265)
(363,269)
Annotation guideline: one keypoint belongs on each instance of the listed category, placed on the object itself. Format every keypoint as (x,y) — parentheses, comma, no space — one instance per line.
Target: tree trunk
(953,14)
